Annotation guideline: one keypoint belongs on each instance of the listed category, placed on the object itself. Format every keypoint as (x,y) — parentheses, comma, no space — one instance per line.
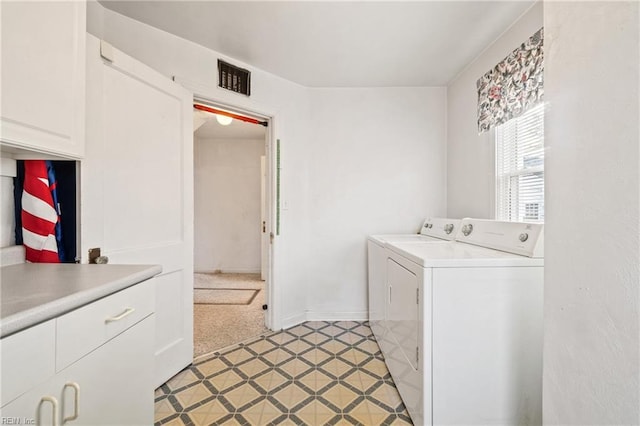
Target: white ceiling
(211,129)
(338,44)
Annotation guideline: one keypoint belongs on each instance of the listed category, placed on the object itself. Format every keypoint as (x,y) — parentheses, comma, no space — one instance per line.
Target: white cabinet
(109,383)
(43,77)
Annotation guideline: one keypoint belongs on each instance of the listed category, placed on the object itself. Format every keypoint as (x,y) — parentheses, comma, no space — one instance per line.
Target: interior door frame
(271,300)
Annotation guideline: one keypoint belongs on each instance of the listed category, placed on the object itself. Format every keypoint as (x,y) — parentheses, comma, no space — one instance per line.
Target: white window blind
(520,167)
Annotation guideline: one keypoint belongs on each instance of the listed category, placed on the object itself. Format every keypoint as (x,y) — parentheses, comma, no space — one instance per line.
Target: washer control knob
(523,237)
(448,228)
(467,229)
(426,225)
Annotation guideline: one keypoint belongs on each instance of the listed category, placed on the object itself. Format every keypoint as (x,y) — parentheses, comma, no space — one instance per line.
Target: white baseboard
(294,320)
(337,316)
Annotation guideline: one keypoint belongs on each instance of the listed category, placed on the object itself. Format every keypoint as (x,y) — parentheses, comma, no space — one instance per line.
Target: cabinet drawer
(83,330)
(27,359)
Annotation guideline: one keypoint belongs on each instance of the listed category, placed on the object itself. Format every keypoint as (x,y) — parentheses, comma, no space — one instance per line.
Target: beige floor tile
(334,346)
(361,413)
(332,330)
(261,346)
(281,338)
(340,396)
(315,325)
(163,409)
(376,367)
(182,379)
(295,367)
(299,330)
(208,413)
(369,346)
(253,414)
(316,380)
(225,380)
(241,395)
(192,395)
(353,379)
(253,367)
(316,356)
(387,395)
(298,346)
(317,338)
(277,356)
(315,413)
(400,422)
(336,367)
(269,413)
(211,367)
(266,380)
(376,413)
(175,422)
(238,355)
(291,395)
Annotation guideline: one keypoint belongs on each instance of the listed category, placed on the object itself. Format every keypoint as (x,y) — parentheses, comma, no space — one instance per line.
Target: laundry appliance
(432,230)
(464,325)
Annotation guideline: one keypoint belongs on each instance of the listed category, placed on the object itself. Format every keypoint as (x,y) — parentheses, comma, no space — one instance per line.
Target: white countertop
(31,293)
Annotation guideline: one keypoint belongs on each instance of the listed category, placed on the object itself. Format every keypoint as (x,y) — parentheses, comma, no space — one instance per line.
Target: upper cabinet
(42,87)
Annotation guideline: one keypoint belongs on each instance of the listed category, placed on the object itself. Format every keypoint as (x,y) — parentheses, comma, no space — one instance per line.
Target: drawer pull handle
(76,401)
(126,313)
(54,407)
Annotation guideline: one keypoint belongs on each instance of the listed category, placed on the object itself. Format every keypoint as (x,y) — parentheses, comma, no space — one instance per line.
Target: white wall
(592,247)
(227,204)
(378,166)
(471,157)
(313,150)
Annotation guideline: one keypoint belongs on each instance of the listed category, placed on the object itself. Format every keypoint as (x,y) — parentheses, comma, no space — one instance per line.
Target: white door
(137,187)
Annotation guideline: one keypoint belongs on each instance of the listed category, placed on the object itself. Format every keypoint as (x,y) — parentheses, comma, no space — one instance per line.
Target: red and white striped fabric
(39,216)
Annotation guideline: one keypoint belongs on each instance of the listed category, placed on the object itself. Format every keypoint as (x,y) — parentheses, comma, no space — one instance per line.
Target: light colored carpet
(223,296)
(219,326)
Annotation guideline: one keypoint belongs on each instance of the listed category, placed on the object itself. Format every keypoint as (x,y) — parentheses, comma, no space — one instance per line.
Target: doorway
(231,228)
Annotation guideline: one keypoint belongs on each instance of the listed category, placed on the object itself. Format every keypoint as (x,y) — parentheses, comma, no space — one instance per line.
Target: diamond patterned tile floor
(317,373)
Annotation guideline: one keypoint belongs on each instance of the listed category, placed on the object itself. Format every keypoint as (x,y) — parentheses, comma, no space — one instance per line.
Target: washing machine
(466,319)
(432,230)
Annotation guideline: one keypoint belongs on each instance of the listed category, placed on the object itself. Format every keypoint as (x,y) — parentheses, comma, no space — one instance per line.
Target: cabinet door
(115,384)
(115,381)
(43,76)
(24,409)
(137,187)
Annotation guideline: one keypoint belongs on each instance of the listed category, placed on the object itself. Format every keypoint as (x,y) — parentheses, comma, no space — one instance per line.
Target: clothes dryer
(432,230)
(466,319)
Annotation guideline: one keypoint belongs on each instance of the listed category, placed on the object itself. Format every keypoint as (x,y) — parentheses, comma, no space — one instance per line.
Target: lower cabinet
(110,385)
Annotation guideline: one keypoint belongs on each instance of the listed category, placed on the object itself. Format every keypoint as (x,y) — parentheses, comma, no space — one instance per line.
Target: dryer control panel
(439,227)
(525,239)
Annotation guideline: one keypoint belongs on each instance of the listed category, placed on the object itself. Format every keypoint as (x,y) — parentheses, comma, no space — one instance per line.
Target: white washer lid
(404,238)
(455,255)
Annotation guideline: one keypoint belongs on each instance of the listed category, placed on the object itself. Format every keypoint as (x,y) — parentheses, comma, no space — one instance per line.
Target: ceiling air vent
(234,78)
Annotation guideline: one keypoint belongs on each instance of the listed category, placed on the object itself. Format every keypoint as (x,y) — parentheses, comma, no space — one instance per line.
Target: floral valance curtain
(512,86)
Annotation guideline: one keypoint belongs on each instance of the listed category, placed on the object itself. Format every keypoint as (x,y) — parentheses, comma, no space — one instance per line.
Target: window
(520,167)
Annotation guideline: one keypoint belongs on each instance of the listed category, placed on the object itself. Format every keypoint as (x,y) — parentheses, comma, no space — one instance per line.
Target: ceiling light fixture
(223,119)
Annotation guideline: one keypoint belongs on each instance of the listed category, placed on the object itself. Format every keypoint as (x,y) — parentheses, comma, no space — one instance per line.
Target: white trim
(8,167)
(207,95)
(293,320)
(337,316)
